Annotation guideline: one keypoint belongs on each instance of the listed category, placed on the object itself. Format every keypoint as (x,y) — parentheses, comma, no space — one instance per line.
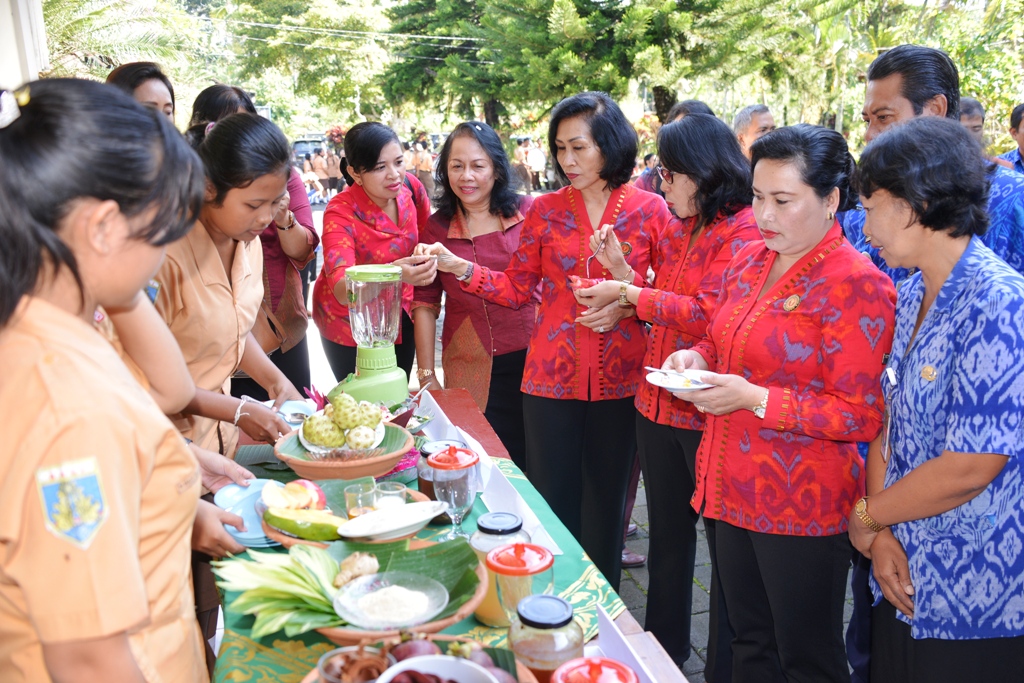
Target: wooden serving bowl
(288,541)
(343,635)
(290,451)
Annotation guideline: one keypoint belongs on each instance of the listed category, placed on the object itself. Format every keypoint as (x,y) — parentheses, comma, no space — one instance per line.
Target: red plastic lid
(519,559)
(594,670)
(453,458)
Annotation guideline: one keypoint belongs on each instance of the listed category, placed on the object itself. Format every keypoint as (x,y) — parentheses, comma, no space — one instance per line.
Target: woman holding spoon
(583,365)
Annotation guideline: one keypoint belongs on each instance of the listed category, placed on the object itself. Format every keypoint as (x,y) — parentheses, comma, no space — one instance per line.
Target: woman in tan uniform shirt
(211,284)
(97,491)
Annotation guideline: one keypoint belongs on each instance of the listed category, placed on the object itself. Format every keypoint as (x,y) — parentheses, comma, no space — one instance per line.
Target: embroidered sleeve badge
(72,498)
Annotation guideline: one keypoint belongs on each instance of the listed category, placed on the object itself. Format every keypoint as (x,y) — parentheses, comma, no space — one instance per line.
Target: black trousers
(785,597)
(579,454)
(294,363)
(505,404)
(718,665)
(668,459)
(342,359)
(896,657)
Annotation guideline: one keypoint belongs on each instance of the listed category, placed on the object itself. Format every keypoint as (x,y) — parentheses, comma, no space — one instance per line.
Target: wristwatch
(291,223)
(761,407)
(623,301)
(861,510)
(465,276)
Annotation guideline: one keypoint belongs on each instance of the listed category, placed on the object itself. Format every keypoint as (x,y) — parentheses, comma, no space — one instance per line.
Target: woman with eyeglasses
(375,220)
(706,182)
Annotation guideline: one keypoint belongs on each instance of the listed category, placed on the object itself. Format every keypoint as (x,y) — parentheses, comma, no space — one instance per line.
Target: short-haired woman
(375,220)
(480,218)
(583,365)
(796,343)
(943,519)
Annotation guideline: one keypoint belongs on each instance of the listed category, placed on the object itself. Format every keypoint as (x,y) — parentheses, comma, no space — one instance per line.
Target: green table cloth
(287,660)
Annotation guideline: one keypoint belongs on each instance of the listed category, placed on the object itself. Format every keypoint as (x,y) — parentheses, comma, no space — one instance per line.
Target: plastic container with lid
(594,670)
(425,475)
(544,635)
(521,570)
(495,529)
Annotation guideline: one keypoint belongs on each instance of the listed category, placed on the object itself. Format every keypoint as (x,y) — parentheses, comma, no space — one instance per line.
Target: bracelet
(241,403)
(424,372)
(762,407)
(468,274)
(627,278)
(291,223)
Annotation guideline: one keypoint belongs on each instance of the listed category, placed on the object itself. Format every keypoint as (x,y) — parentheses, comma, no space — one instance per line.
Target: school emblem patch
(72,498)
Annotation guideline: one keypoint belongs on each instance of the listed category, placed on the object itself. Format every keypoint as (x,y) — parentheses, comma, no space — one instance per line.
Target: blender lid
(374,272)
(453,458)
(519,559)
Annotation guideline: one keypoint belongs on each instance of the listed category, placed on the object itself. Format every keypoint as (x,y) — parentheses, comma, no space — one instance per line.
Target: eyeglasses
(665,174)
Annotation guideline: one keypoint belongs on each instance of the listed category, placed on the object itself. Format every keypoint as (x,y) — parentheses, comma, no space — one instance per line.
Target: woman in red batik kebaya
(375,220)
(583,365)
(706,182)
(797,340)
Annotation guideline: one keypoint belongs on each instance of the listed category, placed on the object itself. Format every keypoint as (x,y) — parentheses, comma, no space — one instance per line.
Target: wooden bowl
(353,636)
(290,451)
(288,541)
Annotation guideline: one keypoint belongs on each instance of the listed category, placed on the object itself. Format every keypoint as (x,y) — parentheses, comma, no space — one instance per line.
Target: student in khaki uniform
(211,284)
(98,493)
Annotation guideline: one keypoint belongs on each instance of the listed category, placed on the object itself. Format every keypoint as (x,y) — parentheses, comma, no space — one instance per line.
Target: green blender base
(377,378)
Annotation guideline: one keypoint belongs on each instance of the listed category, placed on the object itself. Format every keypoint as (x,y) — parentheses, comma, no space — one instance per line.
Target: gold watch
(623,301)
(860,508)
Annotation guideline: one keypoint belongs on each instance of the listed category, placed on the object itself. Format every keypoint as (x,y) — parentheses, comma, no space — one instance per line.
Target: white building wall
(23,52)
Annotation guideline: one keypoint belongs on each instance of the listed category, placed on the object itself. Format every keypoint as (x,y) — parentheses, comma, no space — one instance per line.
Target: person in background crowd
(652,182)
(796,343)
(537,161)
(425,167)
(480,218)
(645,180)
(909,81)
(147,84)
(972,117)
(288,244)
(333,172)
(943,517)
(100,493)
(322,176)
(583,365)
(707,186)
(520,166)
(1017,133)
(410,157)
(375,220)
(752,122)
(307,164)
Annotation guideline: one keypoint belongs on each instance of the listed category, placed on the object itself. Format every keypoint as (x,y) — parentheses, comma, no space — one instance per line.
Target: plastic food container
(521,570)
(544,635)
(594,670)
(493,530)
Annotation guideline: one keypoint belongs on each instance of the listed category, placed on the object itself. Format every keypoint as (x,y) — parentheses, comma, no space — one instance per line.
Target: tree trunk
(663,101)
(491,113)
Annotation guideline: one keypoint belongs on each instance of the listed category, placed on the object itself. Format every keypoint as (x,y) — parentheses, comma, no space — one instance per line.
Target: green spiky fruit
(361,437)
(345,411)
(369,414)
(322,431)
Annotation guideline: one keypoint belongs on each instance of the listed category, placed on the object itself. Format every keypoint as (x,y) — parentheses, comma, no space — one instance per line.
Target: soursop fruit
(361,437)
(345,411)
(321,430)
(369,414)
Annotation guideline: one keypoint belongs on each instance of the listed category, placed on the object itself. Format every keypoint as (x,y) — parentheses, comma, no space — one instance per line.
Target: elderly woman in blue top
(943,521)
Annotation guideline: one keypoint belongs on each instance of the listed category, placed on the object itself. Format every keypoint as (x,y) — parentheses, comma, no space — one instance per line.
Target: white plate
(241,500)
(444,666)
(346,602)
(392,522)
(313,448)
(691,382)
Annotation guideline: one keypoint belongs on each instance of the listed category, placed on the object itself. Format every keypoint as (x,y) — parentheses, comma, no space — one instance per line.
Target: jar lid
(594,670)
(544,611)
(453,458)
(499,523)
(374,272)
(519,559)
(432,447)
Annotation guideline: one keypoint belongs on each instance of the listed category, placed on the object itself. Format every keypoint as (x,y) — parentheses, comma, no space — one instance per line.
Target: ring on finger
(701,408)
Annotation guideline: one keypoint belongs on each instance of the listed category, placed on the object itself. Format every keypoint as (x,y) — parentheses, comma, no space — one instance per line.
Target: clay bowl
(397,442)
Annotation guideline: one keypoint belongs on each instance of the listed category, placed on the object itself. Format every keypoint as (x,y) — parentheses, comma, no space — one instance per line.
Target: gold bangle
(424,372)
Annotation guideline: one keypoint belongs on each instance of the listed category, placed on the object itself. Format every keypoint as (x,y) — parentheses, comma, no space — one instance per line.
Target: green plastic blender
(374,312)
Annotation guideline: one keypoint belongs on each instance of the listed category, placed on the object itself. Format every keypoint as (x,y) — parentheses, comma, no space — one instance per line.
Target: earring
(831,216)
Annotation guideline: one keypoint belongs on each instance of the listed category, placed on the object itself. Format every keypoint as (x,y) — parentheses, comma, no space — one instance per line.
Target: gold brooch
(791,303)
(928,373)
(627,248)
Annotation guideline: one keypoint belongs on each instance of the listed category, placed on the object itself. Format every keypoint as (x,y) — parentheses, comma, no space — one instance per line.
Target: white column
(23,52)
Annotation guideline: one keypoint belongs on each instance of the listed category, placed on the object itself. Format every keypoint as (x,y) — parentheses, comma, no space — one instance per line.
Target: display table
(281,659)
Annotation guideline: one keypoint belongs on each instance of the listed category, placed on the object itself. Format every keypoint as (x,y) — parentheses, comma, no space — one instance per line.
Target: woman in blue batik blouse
(943,521)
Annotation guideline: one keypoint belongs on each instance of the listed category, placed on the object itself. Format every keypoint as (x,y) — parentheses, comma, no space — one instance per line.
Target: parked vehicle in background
(307,143)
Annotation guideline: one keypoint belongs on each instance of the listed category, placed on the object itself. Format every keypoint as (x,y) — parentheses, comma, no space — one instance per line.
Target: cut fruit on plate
(312,525)
(392,522)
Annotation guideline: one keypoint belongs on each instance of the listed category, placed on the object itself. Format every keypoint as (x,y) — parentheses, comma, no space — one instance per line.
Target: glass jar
(425,474)
(594,670)
(521,570)
(544,635)
(456,480)
(493,530)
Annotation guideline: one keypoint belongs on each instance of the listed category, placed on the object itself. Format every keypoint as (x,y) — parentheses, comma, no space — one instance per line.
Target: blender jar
(374,304)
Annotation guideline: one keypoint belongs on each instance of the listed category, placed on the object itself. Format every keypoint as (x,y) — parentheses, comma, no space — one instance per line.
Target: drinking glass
(455,484)
(390,494)
(360,499)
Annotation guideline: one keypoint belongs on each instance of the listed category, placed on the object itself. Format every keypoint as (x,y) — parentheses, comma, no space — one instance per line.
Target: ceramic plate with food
(687,380)
(392,522)
(390,600)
